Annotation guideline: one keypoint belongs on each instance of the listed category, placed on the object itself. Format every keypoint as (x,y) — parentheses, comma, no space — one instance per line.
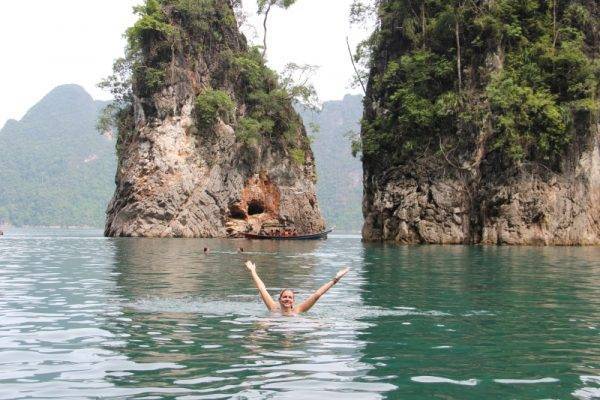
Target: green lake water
(88,317)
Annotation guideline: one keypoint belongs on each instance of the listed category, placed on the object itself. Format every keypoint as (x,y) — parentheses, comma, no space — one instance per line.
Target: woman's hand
(312,299)
(250,266)
(266,297)
(341,273)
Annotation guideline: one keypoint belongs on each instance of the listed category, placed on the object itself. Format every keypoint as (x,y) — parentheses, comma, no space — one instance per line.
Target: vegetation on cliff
(517,80)
(242,91)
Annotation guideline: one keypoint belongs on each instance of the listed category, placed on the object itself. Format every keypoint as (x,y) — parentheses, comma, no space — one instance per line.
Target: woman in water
(286,296)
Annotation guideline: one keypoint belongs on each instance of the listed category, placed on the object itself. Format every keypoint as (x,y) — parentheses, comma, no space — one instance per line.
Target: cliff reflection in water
(86,316)
(478,315)
(202,312)
(175,268)
(416,321)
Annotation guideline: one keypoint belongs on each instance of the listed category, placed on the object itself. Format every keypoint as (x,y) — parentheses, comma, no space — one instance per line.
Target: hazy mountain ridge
(56,169)
(339,184)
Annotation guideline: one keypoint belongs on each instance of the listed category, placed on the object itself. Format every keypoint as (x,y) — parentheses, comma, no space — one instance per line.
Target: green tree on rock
(517,78)
(264,8)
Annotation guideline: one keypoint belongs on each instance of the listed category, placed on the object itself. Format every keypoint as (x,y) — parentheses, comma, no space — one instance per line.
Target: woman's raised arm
(266,297)
(308,303)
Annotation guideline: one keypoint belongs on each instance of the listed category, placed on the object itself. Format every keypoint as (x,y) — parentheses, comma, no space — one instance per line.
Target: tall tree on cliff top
(264,8)
(295,78)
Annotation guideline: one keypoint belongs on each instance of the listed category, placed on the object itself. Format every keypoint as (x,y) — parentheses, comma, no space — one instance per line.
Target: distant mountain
(339,184)
(55,169)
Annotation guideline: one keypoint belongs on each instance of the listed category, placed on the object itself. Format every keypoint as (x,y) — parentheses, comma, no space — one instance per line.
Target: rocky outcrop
(473,136)
(410,205)
(180,178)
(429,203)
(544,207)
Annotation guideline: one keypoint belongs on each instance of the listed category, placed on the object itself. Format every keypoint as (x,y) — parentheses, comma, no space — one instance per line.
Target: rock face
(179,178)
(546,208)
(434,204)
(447,156)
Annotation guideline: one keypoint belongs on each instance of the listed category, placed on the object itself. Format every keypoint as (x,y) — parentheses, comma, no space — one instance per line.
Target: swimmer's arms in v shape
(306,304)
(265,296)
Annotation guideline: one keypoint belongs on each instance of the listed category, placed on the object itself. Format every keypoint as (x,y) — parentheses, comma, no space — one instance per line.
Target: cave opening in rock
(236,212)
(255,207)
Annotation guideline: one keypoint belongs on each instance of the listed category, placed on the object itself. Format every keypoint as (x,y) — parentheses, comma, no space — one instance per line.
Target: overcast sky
(46,43)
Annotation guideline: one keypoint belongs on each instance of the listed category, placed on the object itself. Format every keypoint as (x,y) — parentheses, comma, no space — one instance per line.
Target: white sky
(46,43)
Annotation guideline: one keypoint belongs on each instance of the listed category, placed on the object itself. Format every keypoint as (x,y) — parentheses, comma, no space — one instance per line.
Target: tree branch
(265,28)
(354,66)
(554,23)
(458,60)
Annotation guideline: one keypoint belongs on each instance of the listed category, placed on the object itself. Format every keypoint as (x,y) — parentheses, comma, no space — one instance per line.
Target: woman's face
(286,300)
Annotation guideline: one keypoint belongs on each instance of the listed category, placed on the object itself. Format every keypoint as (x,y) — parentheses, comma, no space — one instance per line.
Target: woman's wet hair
(286,290)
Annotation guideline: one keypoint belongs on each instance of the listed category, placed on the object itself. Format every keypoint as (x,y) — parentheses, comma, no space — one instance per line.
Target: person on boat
(286,297)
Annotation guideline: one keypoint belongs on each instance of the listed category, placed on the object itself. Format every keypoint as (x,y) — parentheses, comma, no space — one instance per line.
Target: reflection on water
(84,316)
(204,313)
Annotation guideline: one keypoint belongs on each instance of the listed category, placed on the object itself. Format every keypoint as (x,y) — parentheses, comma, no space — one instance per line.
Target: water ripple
(88,317)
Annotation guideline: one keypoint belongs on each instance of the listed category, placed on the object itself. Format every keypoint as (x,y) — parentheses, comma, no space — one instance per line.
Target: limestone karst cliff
(481,123)
(209,144)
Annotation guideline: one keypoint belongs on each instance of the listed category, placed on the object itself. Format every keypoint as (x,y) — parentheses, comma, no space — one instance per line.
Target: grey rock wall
(432,203)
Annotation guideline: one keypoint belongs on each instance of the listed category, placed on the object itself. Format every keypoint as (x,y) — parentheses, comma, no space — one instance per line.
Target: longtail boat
(312,236)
